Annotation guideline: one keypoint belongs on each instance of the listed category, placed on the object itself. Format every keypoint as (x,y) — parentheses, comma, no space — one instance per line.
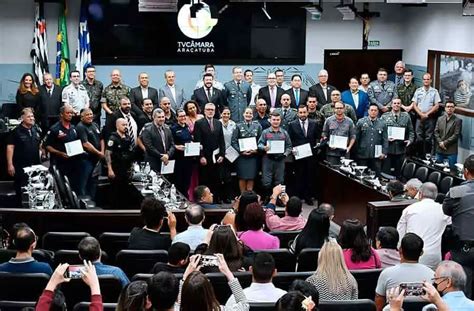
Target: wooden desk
(348,195)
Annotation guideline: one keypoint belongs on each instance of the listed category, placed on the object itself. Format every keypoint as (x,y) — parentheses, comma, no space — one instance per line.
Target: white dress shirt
(133,122)
(259,292)
(144,92)
(173,92)
(355,98)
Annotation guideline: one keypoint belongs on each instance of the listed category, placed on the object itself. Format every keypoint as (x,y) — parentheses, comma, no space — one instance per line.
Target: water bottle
(173,193)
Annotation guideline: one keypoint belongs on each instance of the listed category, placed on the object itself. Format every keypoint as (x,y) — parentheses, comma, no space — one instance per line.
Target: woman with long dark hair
(224,241)
(235,217)
(28,95)
(314,233)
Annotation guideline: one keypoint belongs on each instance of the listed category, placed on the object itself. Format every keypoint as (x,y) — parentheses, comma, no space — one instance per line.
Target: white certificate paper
(167,169)
(214,155)
(247,144)
(378,151)
(303,151)
(74,148)
(231,154)
(396,133)
(192,149)
(276,146)
(339,142)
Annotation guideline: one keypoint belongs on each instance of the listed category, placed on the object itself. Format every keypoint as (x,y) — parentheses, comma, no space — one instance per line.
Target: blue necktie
(297,97)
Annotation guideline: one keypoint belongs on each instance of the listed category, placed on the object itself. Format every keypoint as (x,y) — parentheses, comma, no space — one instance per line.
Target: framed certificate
(396,133)
(276,147)
(303,151)
(247,144)
(339,142)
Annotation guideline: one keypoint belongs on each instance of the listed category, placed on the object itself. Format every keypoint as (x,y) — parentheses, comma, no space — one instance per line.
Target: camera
(412,288)
(209,261)
(74,272)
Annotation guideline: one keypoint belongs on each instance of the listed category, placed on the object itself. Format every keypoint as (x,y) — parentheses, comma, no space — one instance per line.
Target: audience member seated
(396,191)
(255,238)
(195,234)
(178,257)
(134,297)
(306,288)
(292,220)
(204,197)
(235,217)
(296,301)
(409,270)
(396,297)
(163,289)
(334,228)
(89,249)
(412,187)
(427,219)
(25,242)
(262,288)
(196,293)
(314,233)
(149,237)
(332,279)
(47,300)
(358,254)
(386,241)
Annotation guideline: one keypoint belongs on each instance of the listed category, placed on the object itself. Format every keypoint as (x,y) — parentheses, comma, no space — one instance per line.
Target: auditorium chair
(284,260)
(421,173)
(113,242)
(62,240)
(67,256)
(349,305)
(285,237)
(38,254)
(7,305)
(220,284)
(139,261)
(10,110)
(75,201)
(22,286)
(307,260)
(262,306)
(366,281)
(408,171)
(84,306)
(435,178)
(414,305)
(146,276)
(283,280)
(445,184)
(59,180)
(8,194)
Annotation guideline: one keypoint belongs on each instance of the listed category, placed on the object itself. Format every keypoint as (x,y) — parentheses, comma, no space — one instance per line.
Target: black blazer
(217,98)
(303,97)
(317,91)
(210,140)
(313,133)
(142,119)
(50,104)
(264,93)
(136,98)
(110,123)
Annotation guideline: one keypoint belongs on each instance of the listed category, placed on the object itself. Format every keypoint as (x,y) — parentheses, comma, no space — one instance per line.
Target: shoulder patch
(110,143)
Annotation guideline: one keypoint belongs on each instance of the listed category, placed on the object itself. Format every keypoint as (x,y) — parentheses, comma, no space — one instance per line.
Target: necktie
(238,85)
(284,113)
(396,118)
(303,127)
(272,96)
(211,125)
(50,92)
(162,134)
(209,95)
(325,91)
(297,97)
(130,132)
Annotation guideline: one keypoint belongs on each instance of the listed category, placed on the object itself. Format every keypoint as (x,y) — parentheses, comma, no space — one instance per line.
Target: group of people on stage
(278,129)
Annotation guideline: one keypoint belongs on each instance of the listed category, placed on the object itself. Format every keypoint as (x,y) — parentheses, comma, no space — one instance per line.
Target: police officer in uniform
(287,114)
(238,94)
(381,92)
(119,156)
(372,141)
(22,149)
(458,204)
(397,148)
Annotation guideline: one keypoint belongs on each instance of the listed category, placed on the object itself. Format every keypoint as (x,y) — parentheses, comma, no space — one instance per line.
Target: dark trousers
(19,180)
(87,183)
(373,164)
(209,175)
(226,180)
(305,177)
(71,168)
(466,259)
(392,165)
(424,135)
(123,195)
(182,174)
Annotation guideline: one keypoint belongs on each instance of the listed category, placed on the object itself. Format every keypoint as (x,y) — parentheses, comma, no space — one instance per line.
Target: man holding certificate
(276,145)
(372,141)
(304,134)
(244,140)
(339,131)
(400,135)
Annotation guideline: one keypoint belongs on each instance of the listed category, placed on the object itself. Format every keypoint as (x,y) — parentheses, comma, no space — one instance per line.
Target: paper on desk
(339,142)
(396,133)
(378,151)
(231,154)
(214,154)
(302,151)
(74,148)
(168,169)
(247,144)
(276,146)
(192,149)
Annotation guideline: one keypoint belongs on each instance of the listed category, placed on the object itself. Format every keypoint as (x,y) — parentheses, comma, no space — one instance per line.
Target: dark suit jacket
(200,96)
(264,93)
(447,133)
(110,123)
(136,98)
(153,142)
(303,97)
(50,105)
(210,140)
(313,133)
(142,119)
(317,91)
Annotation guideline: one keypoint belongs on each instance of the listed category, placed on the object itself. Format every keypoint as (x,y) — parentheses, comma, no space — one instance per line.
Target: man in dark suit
(304,131)
(297,94)
(208,132)
(322,90)
(125,112)
(209,94)
(447,131)
(271,93)
(146,115)
(158,141)
(137,94)
(50,102)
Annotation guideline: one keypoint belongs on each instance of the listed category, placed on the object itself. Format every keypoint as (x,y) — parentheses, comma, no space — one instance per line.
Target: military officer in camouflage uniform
(397,148)
(94,89)
(328,109)
(113,93)
(405,92)
(381,92)
(287,114)
(238,94)
(372,141)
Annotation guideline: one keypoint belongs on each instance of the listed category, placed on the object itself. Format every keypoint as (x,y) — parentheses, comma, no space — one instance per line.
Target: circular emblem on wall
(195,20)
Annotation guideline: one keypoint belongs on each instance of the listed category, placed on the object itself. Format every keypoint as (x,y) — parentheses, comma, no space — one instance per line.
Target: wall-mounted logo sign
(195,20)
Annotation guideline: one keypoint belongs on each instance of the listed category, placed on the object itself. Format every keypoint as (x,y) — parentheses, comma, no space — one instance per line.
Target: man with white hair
(322,90)
(412,187)
(397,76)
(426,219)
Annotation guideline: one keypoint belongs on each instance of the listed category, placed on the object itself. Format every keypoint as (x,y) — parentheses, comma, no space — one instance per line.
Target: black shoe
(309,202)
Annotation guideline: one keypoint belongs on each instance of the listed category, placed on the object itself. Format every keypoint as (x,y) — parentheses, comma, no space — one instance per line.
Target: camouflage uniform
(112,95)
